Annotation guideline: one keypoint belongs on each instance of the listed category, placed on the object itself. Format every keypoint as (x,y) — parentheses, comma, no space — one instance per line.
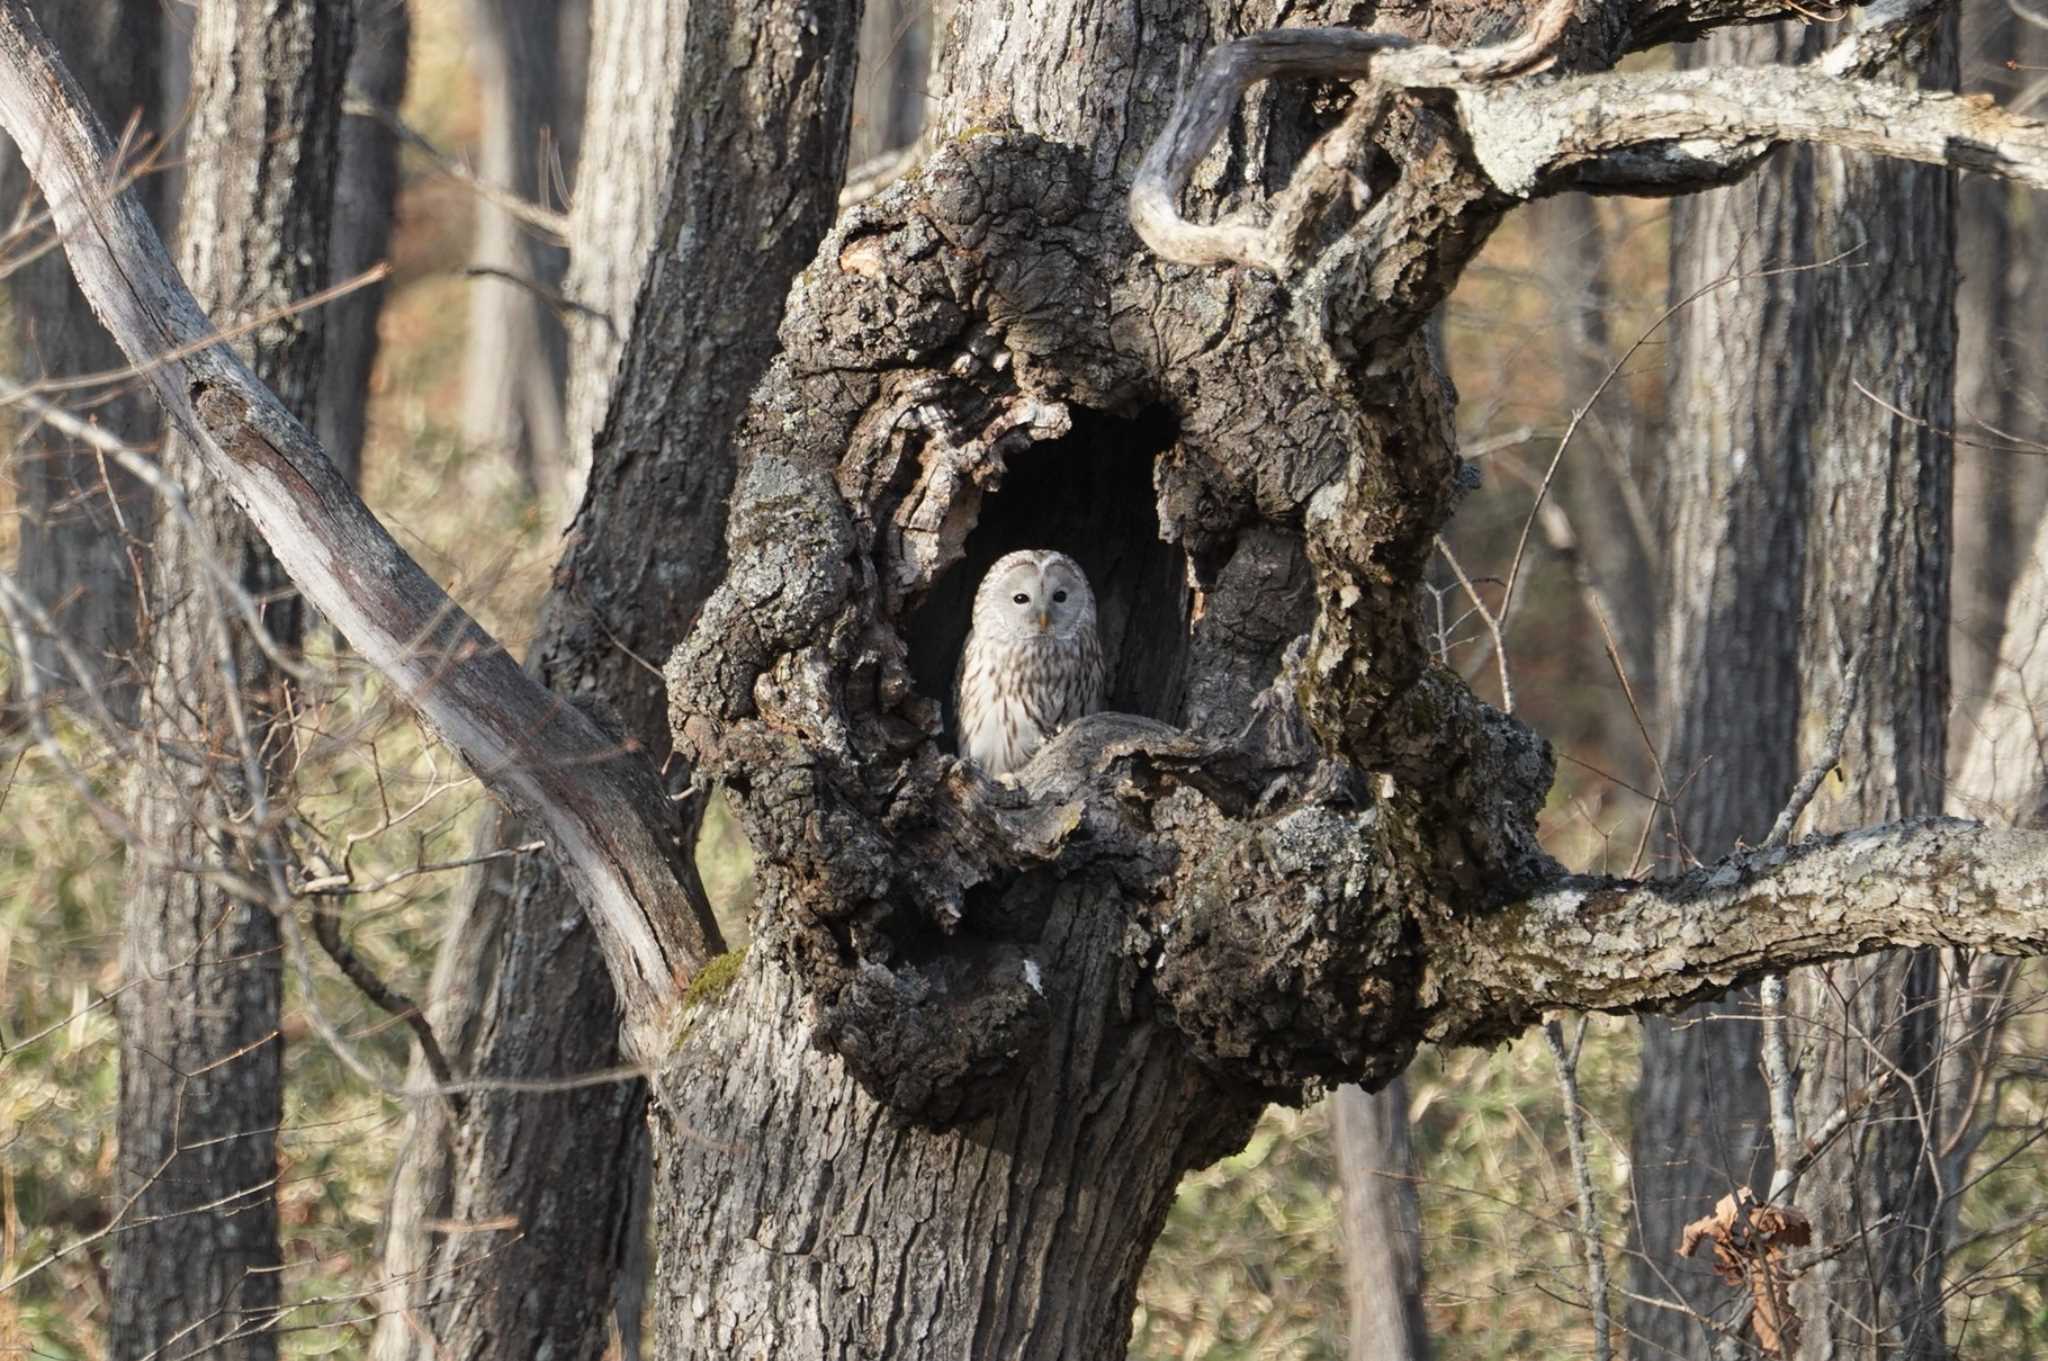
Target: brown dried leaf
(1750,1241)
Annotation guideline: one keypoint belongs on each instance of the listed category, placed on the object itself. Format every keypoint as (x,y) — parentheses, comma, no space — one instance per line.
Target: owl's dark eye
(1059,597)
(1021,598)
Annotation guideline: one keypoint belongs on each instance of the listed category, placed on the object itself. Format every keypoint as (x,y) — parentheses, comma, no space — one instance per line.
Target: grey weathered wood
(197,1265)
(599,805)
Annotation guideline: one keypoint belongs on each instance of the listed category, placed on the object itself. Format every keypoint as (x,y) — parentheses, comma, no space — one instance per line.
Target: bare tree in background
(2001,410)
(365,213)
(1737,462)
(85,522)
(516,370)
(1879,400)
(1382,1224)
(197,1264)
(895,63)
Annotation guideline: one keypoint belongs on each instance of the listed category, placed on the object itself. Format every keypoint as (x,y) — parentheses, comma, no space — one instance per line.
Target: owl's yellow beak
(1044,621)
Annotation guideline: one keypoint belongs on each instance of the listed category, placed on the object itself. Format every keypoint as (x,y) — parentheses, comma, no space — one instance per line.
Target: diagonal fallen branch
(601,806)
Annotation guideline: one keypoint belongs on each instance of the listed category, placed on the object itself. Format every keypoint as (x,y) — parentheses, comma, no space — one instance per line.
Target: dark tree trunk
(196,1265)
(1734,502)
(518,994)
(516,368)
(85,522)
(1879,580)
(1382,1224)
(365,212)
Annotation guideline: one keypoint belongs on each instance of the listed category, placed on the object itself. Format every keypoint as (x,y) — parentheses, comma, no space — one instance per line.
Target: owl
(1033,660)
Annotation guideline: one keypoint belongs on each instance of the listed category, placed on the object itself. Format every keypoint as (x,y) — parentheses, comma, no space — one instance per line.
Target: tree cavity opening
(1088,494)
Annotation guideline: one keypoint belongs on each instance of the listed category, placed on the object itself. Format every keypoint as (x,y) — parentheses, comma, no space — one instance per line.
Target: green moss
(714,980)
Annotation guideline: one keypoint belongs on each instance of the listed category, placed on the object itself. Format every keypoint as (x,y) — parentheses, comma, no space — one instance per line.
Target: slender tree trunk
(759,151)
(365,211)
(624,166)
(197,1265)
(895,62)
(85,523)
(2001,490)
(1734,503)
(1382,1224)
(1878,581)
(515,371)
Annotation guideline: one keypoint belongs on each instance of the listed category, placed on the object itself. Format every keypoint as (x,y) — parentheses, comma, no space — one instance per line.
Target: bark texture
(1382,1224)
(1879,581)
(1740,461)
(516,367)
(85,525)
(197,1264)
(522,988)
(365,213)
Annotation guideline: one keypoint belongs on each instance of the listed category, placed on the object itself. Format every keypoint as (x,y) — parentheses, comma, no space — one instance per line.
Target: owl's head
(1034,593)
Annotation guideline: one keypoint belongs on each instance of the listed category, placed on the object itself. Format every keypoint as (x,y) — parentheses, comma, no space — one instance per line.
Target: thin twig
(522,209)
(559,301)
(327,930)
(1566,1062)
(1500,651)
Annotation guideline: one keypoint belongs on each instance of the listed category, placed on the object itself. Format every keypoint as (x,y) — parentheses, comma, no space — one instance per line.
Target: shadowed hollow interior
(1089,495)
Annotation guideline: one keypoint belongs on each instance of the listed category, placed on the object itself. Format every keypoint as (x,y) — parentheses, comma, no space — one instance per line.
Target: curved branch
(603,810)
(1618,945)
(1390,60)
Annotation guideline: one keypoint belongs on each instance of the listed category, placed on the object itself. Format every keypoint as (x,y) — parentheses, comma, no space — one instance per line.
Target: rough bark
(365,212)
(1382,1224)
(522,987)
(516,366)
(1738,464)
(85,525)
(1879,581)
(197,1266)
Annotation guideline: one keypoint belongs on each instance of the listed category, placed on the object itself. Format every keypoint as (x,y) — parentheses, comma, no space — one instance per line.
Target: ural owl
(1033,660)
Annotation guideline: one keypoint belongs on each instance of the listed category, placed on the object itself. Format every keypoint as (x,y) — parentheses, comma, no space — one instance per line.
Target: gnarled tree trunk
(197,1265)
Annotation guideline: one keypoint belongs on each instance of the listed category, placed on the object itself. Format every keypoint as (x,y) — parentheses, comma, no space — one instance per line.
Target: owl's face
(1035,593)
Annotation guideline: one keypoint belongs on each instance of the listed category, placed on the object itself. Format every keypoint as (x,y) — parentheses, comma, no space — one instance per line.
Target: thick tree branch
(1675,131)
(601,806)
(1617,945)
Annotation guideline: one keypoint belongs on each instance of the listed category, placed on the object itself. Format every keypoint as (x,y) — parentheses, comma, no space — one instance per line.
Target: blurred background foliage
(1249,1266)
